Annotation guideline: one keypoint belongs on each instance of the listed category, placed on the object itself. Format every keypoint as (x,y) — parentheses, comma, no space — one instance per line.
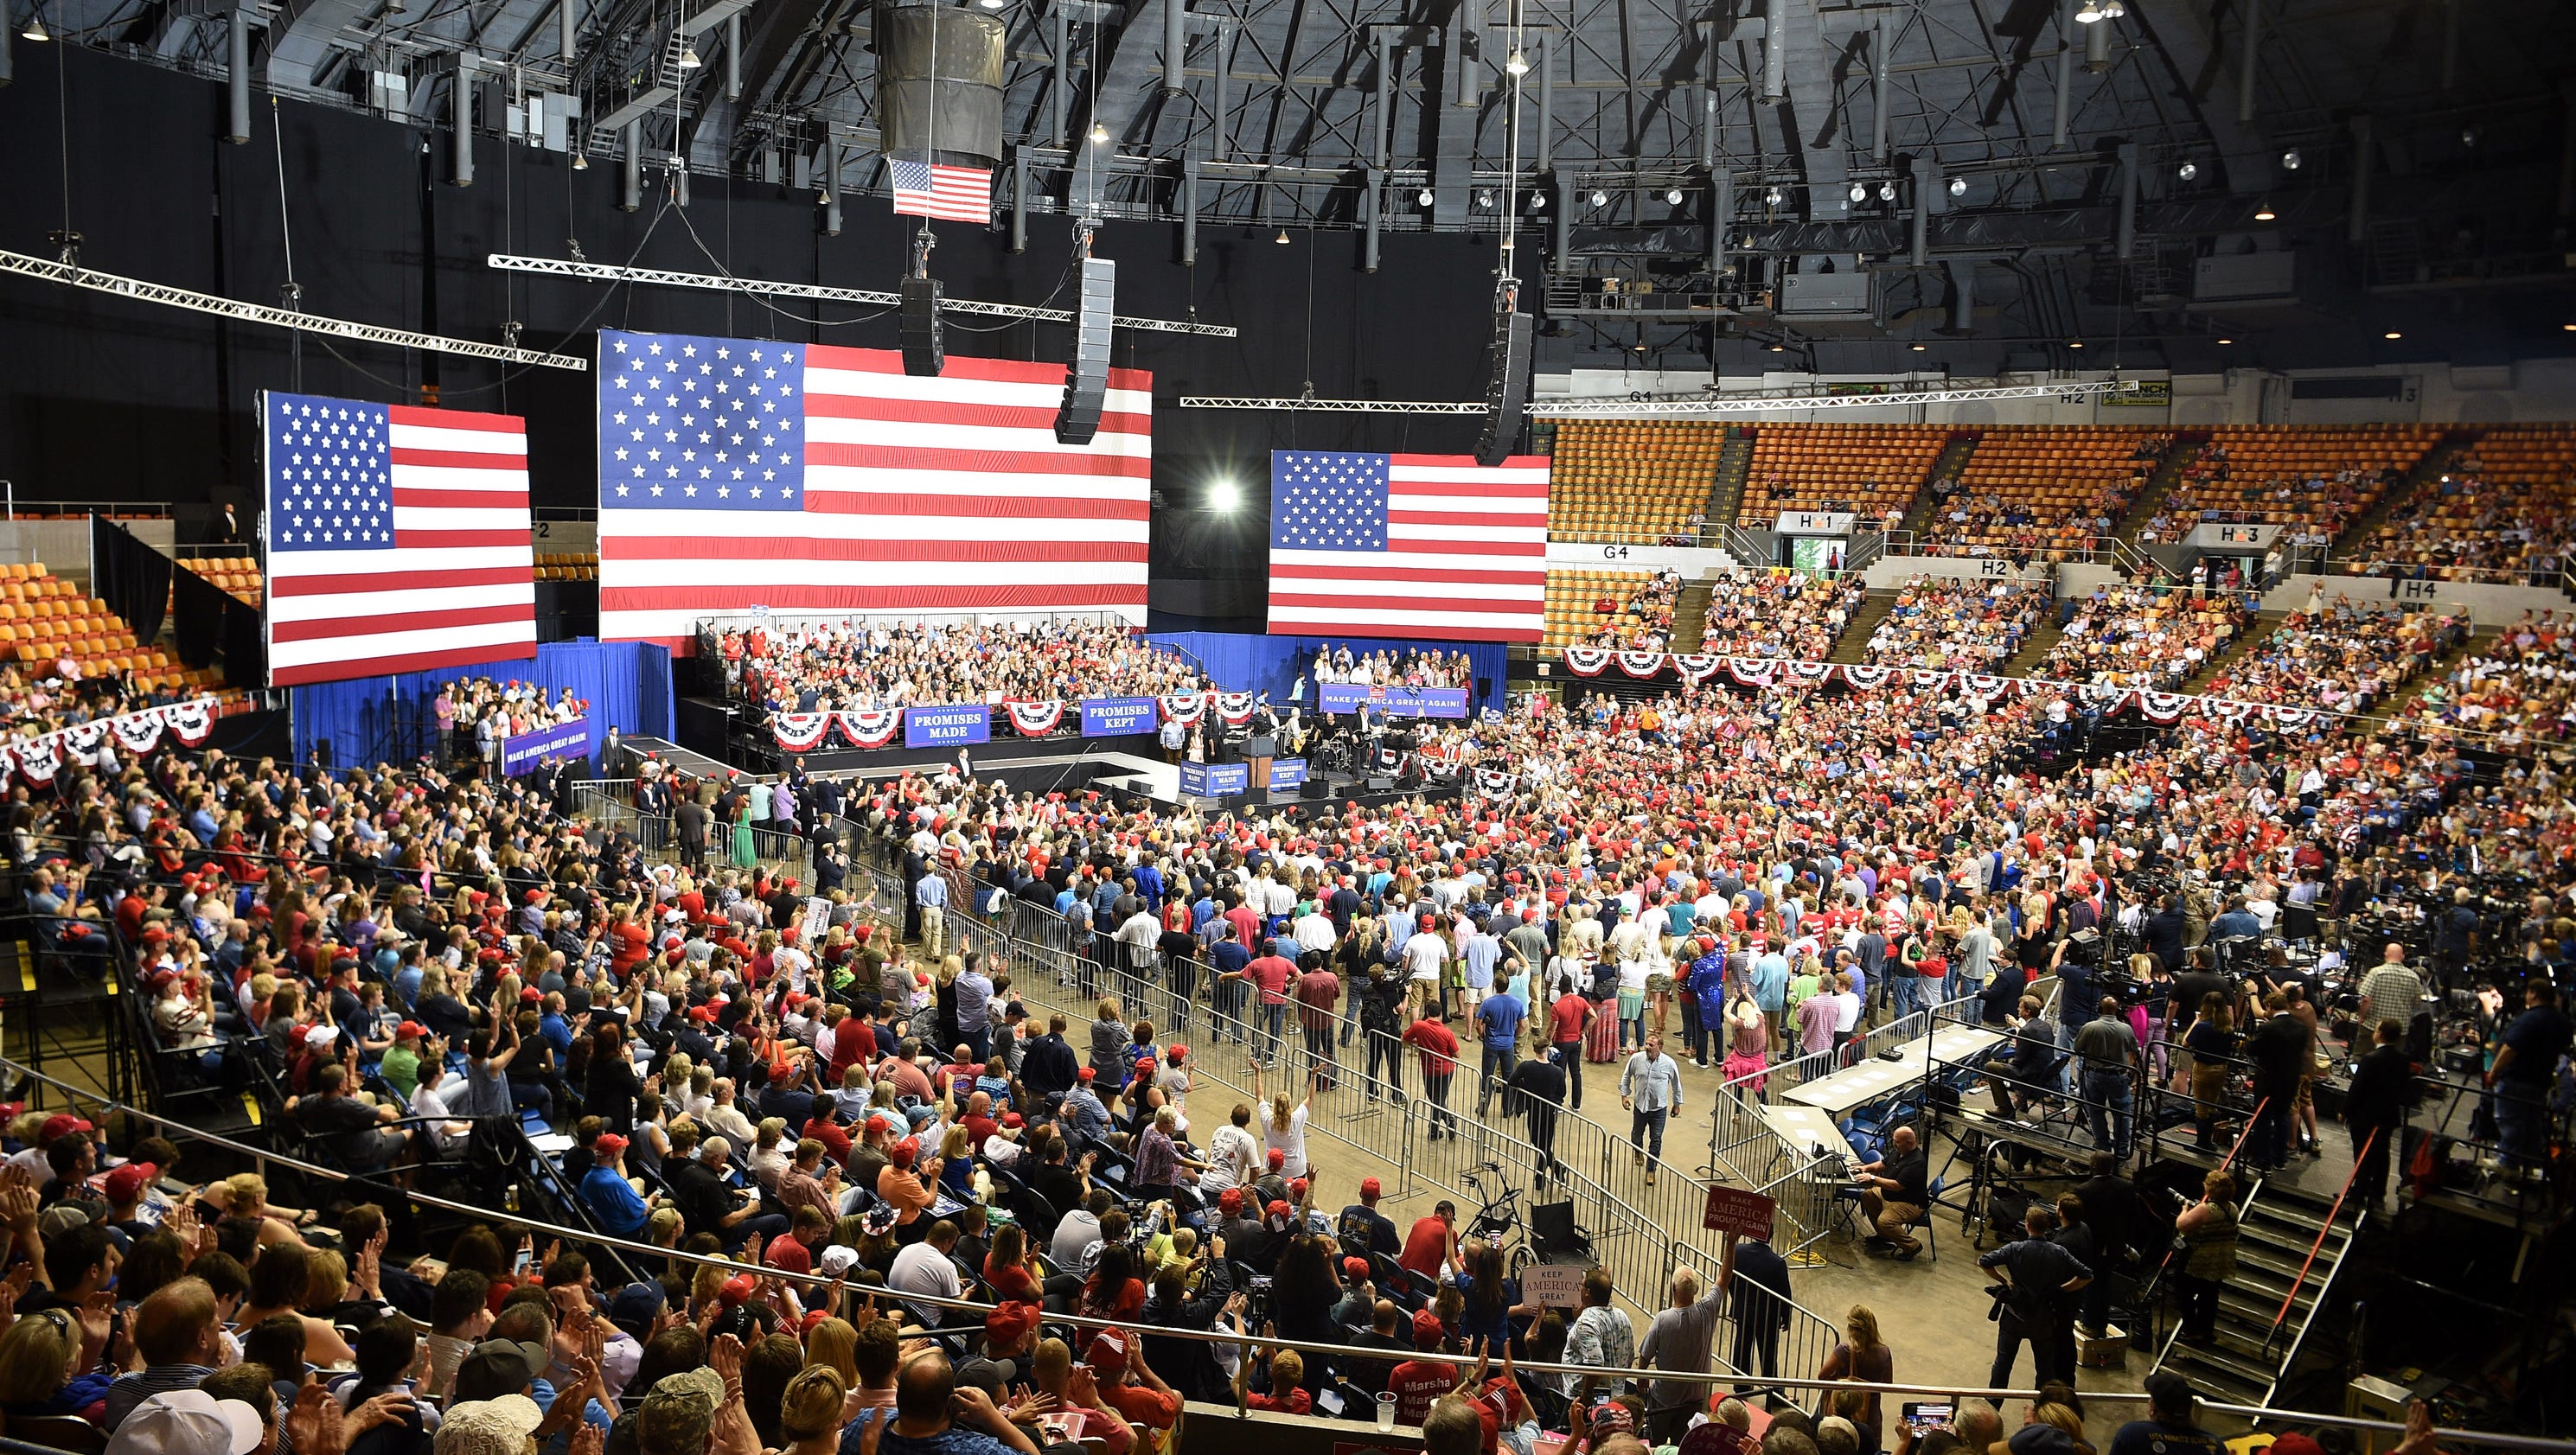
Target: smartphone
(1922,1415)
(526,1257)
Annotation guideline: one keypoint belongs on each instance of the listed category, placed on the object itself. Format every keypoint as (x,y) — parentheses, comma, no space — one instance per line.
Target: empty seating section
(45,620)
(1630,478)
(2315,479)
(2032,489)
(567,565)
(1634,619)
(2505,510)
(1869,469)
(237,575)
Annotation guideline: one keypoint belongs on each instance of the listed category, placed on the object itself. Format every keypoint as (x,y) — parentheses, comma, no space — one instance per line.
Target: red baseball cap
(1369,1187)
(1426,1329)
(63,1124)
(1355,1269)
(126,1183)
(1108,1351)
(608,1144)
(1230,1201)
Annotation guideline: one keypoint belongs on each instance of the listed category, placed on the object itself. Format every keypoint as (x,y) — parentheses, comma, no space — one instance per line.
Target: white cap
(321,1036)
(188,1422)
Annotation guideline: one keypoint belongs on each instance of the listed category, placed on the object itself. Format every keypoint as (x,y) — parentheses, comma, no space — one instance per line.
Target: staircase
(2160,484)
(2252,1353)
(1690,617)
(1853,644)
(2259,628)
(2436,462)
(1953,458)
(1726,488)
(2035,648)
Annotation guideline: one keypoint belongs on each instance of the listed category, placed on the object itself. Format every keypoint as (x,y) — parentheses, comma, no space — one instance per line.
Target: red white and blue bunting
(1034,719)
(800,732)
(1234,709)
(869,729)
(38,759)
(1184,708)
(2163,708)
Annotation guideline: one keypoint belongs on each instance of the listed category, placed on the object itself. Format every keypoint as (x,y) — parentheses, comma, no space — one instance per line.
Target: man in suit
(2279,1050)
(2376,1103)
(1758,1293)
(691,818)
(653,811)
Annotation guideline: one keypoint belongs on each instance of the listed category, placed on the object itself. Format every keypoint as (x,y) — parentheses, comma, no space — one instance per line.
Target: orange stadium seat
(1864,468)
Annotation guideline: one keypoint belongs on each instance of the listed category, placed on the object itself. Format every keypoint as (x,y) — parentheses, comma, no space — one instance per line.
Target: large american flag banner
(1431,546)
(397,539)
(812,479)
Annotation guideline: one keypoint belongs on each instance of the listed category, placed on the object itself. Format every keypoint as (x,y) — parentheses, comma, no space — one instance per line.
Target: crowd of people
(476,715)
(1780,613)
(864,666)
(2320,503)
(1413,667)
(2465,526)
(860,1096)
(2519,692)
(1639,619)
(1960,624)
(2338,655)
(2142,636)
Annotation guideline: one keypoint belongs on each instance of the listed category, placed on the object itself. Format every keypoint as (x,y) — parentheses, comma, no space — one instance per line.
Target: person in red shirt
(1439,1047)
(1127,1384)
(1287,1384)
(1270,975)
(1418,1381)
(1247,924)
(1568,1019)
(1319,990)
(1432,1244)
(836,1142)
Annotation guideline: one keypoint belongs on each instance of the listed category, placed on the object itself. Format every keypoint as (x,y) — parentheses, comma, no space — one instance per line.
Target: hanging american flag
(397,539)
(1431,546)
(812,479)
(934,189)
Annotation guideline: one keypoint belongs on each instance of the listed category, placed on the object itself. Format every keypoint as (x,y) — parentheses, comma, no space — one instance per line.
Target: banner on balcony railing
(800,732)
(38,759)
(1109,717)
(949,725)
(873,729)
(1396,700)
(1034,719)
(2163,708)
(1234,709)
(1185,708)
(521,754)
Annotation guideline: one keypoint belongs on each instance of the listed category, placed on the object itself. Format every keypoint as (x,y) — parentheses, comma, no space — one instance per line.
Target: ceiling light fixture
(2468,136)
(2227,341)
(2392,334)
(1600,198)
(2570,327)
(1424,197)
(2187,170)
(2290,160)
(2075,343)
(1282,238)
(689,56)
(2113,9)
(1771,197)
(1538,202)
(1887,191)
(1859,192)
(580,163)
(35,25)
(1485,200)
(2263,211)
(1673,196)
(1918,348)
(1518,65)
(990,4)
(1958,186)
(1099,132)
(2089,13)
(1779,348)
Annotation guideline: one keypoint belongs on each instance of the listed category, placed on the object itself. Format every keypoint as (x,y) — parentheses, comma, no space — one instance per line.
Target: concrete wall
(63,545)
(2487,606)
(1213,1429)
(1693,562)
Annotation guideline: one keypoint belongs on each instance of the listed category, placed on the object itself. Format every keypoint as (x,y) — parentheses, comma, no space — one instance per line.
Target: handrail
(2230,1158)
(2358,1157)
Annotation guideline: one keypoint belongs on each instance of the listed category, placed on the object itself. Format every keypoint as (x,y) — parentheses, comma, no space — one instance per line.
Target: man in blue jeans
(1650,1087)
(2524,1067)
(2107,1048)
(1498,1026)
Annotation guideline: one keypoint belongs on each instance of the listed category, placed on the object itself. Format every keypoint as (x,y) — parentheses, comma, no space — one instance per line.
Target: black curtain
(245,647)
(131,577)
(200,630)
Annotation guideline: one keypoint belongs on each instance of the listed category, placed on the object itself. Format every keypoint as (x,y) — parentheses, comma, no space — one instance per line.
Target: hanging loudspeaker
(1086,380)
(939,80)
(918,327)
(1507,388)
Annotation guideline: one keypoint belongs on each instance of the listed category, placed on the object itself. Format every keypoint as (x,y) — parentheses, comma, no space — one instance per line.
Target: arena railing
(646,1255)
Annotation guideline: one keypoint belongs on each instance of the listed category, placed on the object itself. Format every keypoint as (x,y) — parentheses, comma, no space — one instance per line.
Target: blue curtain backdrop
(1244,662)
(371,719)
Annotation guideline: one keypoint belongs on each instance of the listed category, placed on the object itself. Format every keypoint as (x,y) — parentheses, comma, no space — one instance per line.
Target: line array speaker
(918,326)
(1086,380)
(1507,388)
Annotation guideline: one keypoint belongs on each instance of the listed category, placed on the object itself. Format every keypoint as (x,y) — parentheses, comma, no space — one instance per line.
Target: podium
(1258,750)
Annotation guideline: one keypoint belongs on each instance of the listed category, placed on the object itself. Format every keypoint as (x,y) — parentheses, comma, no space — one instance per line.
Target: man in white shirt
(1234,1155)
(926,1268)
(1424,955)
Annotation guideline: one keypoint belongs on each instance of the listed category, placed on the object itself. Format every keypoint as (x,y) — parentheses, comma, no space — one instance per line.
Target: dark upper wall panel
(106,399)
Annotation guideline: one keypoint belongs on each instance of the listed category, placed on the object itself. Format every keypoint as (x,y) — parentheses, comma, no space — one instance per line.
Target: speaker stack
(918,327)
(1086,381)
(1507,387)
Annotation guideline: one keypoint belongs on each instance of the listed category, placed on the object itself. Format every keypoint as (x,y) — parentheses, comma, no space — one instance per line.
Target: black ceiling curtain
(131,577)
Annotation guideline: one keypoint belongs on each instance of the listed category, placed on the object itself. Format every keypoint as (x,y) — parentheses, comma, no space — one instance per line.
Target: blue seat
(1931,1205)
